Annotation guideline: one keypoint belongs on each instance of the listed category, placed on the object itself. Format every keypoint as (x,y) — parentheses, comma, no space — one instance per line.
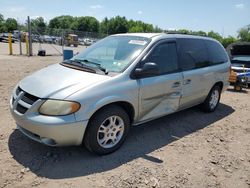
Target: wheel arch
(126,106)
(220,84)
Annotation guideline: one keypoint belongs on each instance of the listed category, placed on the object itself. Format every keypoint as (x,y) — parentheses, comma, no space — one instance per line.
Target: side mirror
(148,69)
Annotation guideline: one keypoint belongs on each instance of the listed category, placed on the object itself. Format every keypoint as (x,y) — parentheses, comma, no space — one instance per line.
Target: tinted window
(193,54)
(165,56)
(216,52)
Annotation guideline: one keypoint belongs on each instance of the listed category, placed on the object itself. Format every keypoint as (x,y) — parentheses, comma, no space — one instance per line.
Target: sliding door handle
(176,84)
(188,81)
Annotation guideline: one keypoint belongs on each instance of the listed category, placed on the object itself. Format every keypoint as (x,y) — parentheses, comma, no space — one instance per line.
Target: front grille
(21,109)
(30,99)
(18,90)
(24,100)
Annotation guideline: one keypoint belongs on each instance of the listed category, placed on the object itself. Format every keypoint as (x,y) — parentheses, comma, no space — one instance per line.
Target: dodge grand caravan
(122,80)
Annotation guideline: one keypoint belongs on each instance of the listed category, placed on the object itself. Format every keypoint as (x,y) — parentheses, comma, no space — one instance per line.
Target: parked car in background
(122,80)
(239,53)
(241,65)
(46,39)
(4,37)
(88,41)
(16,34)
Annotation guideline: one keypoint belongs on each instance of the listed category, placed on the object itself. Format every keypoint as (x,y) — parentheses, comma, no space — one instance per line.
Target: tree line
(108,26)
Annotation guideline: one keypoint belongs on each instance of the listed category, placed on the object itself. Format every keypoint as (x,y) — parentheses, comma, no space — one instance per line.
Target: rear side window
(165,56)
(193,54)
(216,52)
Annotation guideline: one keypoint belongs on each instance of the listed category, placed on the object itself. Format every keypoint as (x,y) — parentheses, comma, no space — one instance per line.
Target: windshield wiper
(75,63)
(98,65)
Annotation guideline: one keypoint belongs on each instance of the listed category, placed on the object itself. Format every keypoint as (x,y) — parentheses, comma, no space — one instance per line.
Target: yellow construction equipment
(238,80)
(71,39)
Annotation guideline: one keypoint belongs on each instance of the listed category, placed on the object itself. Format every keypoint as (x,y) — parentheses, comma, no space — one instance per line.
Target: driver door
(160,95)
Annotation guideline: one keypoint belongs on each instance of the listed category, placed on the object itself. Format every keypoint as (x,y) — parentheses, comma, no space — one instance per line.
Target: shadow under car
(68,162)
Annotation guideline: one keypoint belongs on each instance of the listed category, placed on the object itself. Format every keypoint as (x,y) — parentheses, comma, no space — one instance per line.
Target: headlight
(58,107)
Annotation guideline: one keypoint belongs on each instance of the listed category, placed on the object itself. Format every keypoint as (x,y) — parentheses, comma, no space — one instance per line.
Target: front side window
(114,53)
(165,56)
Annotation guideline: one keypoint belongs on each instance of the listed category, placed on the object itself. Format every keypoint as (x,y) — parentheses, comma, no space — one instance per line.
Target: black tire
(206,106)
(92,135)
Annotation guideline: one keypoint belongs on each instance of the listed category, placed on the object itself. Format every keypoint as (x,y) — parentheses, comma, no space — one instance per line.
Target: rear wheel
(212,100)
(107,130)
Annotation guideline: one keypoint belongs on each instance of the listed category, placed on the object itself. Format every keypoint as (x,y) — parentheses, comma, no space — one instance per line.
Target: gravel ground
(186,149)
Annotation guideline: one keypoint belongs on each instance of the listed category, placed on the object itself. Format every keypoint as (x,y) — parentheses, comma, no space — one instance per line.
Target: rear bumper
(52,131)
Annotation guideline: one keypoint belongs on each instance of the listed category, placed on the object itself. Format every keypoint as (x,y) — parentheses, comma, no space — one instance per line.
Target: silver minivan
(122,80)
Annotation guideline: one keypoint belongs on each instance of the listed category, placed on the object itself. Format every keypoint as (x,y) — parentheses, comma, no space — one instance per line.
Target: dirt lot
(186,149)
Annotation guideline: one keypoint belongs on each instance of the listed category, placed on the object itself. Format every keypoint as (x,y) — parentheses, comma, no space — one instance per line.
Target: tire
(212,100)
(107,130)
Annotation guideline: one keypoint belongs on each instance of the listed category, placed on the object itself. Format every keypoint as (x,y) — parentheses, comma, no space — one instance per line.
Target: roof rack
(183,33)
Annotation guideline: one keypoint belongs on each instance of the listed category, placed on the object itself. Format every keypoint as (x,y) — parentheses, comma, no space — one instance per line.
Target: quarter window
(216,53)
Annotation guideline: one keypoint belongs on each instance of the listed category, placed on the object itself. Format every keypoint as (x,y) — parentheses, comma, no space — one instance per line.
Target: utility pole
(30,38)
(62,40)
(19,36)
(20,41)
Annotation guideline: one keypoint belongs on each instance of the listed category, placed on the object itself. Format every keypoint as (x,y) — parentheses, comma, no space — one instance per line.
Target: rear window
(193,54)
(216,52)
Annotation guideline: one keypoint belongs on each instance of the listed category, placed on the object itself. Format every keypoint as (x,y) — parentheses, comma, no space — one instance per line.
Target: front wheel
(107,130)
(212,100)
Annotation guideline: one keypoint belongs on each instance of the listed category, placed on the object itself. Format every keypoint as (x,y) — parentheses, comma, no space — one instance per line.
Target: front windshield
(114,53)
(243,60)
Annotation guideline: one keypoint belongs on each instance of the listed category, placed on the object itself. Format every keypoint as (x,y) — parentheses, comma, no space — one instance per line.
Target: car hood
(58,82)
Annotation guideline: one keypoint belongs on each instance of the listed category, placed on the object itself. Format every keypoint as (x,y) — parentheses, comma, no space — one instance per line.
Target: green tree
(157,29)
(184,31)
(2,26)
(10,24)
(228,40)
(62,22)
(135,26)
(136,29)
(199,33)
(1,18)
(215,35)
(244,33)
(139,26)
(148,27)
(104,26)
(86,23)
(39,25)
(118,24)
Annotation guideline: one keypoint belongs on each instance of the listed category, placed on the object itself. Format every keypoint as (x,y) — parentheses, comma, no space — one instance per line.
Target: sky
(223,16)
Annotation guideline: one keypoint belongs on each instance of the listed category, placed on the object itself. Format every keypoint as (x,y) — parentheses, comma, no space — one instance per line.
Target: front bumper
(49,130)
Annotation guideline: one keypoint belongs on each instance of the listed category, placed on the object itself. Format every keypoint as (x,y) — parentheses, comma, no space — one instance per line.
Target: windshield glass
(114,53)
(244,60)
